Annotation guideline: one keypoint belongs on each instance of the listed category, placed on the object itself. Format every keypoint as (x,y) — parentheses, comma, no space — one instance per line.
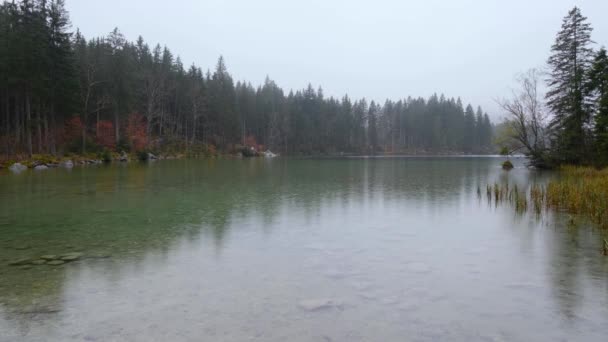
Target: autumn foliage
(136,132)
(105,135)
(73,129)
(250,141)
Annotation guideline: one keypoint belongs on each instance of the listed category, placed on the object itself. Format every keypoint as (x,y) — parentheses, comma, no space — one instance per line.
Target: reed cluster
(578,191)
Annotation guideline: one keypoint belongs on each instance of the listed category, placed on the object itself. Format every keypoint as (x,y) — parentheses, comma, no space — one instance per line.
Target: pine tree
(469,129)
(598,87)
(372,129)
(569,63)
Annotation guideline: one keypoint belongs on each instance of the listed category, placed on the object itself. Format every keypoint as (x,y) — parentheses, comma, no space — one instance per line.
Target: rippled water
(379,249)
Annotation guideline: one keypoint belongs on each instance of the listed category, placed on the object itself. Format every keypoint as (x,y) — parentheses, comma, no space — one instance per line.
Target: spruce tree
(598,87)
(569,62)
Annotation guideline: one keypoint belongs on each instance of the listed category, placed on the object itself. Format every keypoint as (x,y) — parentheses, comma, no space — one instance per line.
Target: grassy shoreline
(578,191)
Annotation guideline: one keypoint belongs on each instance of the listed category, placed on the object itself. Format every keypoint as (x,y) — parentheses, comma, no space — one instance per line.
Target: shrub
(106,156)
(136,132)
(142,155)
(105,135)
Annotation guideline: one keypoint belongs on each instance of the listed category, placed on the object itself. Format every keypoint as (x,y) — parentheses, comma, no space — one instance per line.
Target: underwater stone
(49,257)
(71,256)
(316,304)
(20,262)
(55,262)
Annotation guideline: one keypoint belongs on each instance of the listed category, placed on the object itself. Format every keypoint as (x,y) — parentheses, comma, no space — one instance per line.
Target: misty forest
(62,92)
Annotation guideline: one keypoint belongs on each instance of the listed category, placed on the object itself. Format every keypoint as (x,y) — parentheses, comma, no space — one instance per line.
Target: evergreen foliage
(133,95)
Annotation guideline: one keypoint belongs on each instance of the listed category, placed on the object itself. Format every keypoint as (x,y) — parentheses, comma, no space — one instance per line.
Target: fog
(374,49)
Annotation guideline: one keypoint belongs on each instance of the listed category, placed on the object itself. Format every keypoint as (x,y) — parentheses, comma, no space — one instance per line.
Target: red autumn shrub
(136,132)
(105,135)
(73,129)
(250,141)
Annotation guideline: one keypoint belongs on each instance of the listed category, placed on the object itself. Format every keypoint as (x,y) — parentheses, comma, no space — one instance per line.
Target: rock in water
(68,164)
(71,256)
(49,257)
(55,262)
(41,167)
(21,262)
(316,304)
(17,168)
(38,262)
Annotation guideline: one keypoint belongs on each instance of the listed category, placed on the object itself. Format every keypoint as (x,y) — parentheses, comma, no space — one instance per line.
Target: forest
(63,93)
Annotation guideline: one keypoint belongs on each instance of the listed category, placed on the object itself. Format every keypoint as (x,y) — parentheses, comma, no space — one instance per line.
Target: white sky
(375,49)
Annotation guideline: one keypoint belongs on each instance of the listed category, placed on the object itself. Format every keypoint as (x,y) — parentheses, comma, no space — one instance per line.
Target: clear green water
(246,250)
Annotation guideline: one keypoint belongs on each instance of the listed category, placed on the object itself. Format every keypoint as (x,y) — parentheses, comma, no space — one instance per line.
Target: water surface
(358,249)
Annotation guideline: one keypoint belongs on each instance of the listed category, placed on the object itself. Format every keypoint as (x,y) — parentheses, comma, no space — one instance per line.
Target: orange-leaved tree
(136,132)
(105,134)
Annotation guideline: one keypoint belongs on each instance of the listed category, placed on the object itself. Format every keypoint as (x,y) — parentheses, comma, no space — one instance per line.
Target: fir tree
(569,62)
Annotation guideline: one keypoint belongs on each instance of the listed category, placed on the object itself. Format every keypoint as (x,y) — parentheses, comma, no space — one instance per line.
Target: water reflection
(397,247)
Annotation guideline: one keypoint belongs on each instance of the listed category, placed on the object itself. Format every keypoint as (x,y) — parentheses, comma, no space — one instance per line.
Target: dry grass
(579,191)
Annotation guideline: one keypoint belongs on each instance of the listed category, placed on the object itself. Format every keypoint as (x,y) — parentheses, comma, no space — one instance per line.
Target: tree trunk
(39,128)
(46,132)
(116,127)
(7,127)
(52,130)
(28,124)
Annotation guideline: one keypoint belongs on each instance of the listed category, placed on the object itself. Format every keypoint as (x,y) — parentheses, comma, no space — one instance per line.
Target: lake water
(357,249)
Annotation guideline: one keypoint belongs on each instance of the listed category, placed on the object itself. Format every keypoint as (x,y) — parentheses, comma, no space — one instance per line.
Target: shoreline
(43,162)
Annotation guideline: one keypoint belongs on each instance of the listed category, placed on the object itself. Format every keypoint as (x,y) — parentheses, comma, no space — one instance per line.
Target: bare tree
(526,119)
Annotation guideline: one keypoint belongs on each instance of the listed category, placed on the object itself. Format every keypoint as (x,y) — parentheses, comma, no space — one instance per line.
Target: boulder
(123,157)
(269,154)
(151,156)
(41,167)
(17,168)
(68,164)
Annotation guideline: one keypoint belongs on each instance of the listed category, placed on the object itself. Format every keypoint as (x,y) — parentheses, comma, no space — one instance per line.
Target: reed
(579,191)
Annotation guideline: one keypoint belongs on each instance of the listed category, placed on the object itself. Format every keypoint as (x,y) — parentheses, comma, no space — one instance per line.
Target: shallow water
(378,249)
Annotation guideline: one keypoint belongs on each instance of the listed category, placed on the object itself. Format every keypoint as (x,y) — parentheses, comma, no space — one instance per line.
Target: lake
(351,249)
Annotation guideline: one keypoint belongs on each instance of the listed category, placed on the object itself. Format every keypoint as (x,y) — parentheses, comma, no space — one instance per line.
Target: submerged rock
(17,168)
(21,262)
(71,256)
(317,304)
(68,164)
(39,262)
(55,262)
(49,257)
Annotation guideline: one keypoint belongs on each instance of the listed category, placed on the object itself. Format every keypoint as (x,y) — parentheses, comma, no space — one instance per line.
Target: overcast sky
(375,49)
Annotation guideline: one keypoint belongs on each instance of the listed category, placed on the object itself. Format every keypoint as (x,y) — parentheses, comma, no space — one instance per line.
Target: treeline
(61,92)
(570,125)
